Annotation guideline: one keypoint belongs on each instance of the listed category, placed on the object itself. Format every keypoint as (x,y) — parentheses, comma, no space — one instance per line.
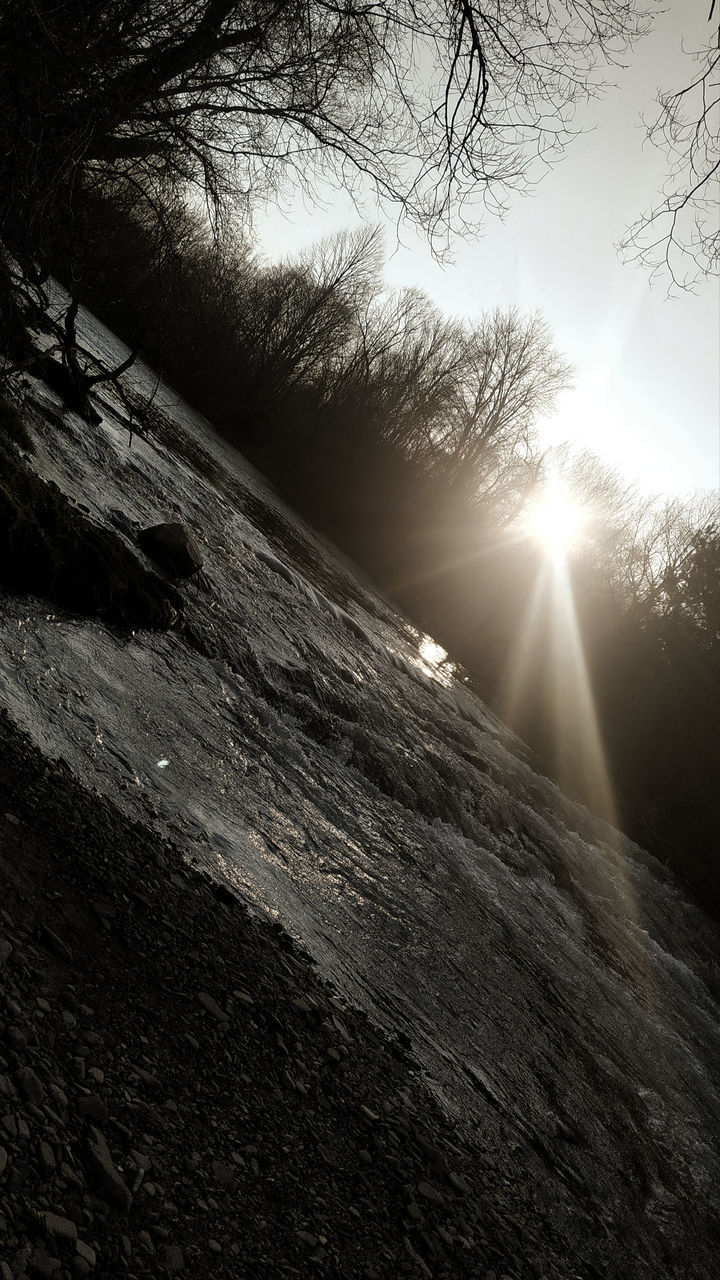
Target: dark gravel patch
(180,1094)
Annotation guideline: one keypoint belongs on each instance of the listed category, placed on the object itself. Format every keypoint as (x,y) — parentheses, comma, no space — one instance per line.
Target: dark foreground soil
(179,1093)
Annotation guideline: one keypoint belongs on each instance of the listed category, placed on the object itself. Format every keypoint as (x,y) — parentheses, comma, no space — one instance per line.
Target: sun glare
(556,521)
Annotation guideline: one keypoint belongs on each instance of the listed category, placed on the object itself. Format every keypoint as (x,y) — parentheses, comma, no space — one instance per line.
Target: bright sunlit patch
(432,652)
(556,521)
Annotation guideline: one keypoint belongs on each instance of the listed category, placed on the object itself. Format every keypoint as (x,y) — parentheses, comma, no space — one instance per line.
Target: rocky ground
(179,1093)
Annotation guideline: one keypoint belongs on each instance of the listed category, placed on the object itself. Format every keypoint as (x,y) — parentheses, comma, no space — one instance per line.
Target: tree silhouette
(679,236)
(435,103)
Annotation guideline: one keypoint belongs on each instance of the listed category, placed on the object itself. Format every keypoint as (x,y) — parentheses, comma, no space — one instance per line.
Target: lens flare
(555,520)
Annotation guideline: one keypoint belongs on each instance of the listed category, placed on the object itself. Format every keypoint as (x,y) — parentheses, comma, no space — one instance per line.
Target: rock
(43,1265)
(61,1228)
(3,1160)
(459,1183)
(5,951)
(224,1175)
(173,547)
(102,1174)
(30,1087)
(47,1159)
(431,1152)
(70,383)
(59,1098)
(173,1258)
(212,1007)
(87,1254)
(429,1192)
(54,943)
(94,1109)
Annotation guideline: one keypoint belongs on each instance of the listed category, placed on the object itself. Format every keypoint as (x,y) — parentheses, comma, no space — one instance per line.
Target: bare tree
(679,236)
(434,102)
(511,376)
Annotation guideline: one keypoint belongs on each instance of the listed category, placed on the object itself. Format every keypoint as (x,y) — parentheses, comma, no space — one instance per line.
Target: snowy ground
(296,736)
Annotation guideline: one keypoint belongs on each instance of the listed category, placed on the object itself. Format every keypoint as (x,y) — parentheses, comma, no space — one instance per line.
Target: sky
(646,396)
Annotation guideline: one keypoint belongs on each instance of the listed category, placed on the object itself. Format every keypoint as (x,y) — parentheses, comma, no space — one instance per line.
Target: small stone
(43,1265)
(9,1124)
(3,1160)
(93,1109)
(212,1007)
(173,1258)
(62,1228)
(459,1183)
(429,1192)
(86,1253)
(58,1097)
(214,1247)
(102,1173)
(432,1154)
(30,1086)
(5,951)
(332,1055)
(47,1159)
(54,943)
(223,1173)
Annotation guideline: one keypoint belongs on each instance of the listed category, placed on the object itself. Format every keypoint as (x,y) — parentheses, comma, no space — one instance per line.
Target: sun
(556,520)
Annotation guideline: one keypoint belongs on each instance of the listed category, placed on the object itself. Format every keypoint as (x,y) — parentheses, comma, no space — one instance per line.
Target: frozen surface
(300,740)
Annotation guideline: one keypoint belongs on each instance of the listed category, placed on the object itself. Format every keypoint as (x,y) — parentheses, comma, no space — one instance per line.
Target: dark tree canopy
(436,101)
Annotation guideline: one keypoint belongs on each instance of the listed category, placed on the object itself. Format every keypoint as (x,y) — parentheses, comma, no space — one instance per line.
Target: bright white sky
(647,386)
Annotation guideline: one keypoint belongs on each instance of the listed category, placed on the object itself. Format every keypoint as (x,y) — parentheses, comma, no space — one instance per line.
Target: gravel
(181,1095)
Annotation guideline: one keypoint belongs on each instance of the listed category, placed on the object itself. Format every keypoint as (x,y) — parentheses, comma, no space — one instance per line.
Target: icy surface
(301,741)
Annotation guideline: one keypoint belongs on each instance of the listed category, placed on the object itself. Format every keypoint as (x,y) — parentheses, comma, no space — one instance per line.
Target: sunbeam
(547,668)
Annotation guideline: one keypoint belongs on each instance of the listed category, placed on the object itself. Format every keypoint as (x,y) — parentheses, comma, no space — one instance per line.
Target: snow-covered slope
(292,734)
